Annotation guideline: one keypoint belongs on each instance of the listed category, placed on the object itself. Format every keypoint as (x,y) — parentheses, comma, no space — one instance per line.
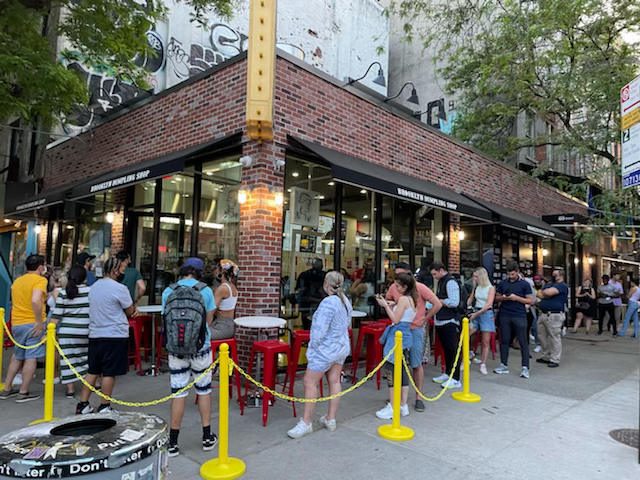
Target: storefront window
(429,240)
(526,255)
(396,234)
(470,240)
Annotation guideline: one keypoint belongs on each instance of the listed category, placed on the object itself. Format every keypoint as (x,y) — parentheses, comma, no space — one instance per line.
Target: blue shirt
(511,308)
(557,302)
(207,296)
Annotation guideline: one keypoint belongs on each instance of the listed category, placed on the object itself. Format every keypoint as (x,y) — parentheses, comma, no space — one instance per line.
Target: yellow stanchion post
(395,431)
(465,395)
(223,467)
(49,372)
(1,346)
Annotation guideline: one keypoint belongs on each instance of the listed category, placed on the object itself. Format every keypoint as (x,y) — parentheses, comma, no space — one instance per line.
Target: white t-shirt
(481,295)
(107,301)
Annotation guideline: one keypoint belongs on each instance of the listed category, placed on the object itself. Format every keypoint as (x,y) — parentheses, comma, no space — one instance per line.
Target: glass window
(396,234)
(470,239)
(526,255)
(429,239)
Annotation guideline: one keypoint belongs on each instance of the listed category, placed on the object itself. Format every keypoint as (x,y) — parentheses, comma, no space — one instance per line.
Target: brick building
(349,178)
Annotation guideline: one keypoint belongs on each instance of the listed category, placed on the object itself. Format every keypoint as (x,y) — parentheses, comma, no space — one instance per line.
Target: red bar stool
(233,351)
(492,343)
(269,350)
(438,352)
(371,332)
(300,338)
(136,325)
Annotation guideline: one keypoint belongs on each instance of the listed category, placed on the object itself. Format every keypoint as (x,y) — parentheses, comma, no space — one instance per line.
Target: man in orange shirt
(418,327)
(28,297)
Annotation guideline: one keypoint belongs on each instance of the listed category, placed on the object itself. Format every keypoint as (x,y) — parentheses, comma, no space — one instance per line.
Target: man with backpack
(447,322)
(188,308)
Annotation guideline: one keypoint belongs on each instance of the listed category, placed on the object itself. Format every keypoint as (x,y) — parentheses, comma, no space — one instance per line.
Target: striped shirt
(72,316)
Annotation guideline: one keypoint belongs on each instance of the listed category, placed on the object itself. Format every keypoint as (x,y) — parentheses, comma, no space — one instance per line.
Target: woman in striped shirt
(72,316)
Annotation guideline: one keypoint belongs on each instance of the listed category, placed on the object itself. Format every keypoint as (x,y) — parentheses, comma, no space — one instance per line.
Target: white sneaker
(451,384)
(300,430)
(501,370)
(477,360)
(386,413)
(17,380)
(442,378)
(483,369)
(538,349)
(56,381)
(564,331)
(524,373)
(404,410)
(328,424)
(532,338)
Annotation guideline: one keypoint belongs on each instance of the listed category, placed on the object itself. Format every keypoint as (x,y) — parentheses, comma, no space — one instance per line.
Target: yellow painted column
(395,431)
(223,467)
(465,395)
(49,372)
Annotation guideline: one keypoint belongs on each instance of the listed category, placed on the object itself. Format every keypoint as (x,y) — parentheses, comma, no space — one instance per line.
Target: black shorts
(108,356)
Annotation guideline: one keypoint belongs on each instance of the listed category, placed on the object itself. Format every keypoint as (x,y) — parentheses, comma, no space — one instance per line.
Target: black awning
(355,171)
(152,169)
(566,219)
(22,198)
(526,223)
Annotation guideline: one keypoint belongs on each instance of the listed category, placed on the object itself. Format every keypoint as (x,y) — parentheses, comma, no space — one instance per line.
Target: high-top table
(154,310)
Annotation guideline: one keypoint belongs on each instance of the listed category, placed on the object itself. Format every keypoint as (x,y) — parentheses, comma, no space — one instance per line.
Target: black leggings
(604,308)
(449,335)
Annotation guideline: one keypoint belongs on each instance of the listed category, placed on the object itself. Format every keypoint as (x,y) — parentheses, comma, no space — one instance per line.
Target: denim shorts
(22,334)
(417,347)
(485,322)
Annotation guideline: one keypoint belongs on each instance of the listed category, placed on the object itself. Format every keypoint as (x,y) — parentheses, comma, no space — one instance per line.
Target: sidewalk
(555,425)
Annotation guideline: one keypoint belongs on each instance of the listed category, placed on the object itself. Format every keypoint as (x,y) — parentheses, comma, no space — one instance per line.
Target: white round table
(358,314)
(153,310)
(260,322)
(150,309)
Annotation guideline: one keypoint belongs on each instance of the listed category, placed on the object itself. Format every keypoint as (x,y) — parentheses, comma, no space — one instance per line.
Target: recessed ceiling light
(209,173)
(365,216)
(186,195)
(343,212)
(331,184)
(363,191)
(295,174)
(289,190)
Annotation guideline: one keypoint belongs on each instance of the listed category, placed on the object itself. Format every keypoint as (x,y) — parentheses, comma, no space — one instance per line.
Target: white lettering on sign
(540,231)
(32,204)
(421,197)
(120,181)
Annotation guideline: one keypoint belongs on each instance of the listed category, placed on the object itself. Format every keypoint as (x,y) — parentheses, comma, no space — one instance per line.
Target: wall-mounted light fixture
(109,217)
(279,199)
(379,80)
(243,195)
(461,235)
(413,98)
(591,260)
(37,229)
(440,236)
(576,260)
(545,252)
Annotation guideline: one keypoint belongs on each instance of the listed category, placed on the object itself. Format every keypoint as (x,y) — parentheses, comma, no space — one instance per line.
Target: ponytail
(76,276)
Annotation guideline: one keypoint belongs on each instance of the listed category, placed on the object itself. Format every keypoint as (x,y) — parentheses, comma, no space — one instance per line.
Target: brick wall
(454,243)
(42,241)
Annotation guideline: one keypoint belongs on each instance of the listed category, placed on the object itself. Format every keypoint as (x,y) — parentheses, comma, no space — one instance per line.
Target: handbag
(583,306)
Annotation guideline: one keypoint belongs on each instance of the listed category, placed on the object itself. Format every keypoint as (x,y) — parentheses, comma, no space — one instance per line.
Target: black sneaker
(419,406)
(4,395)
(543,360)
(83,408)
(553,365)
(209,443)
(173,450)
(26,397)
(106,408)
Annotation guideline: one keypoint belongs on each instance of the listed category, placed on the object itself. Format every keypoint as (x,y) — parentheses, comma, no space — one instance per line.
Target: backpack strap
(173,286)
(200,286)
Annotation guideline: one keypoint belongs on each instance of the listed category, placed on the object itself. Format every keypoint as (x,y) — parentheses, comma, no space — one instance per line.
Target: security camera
(278,163)
(246,161)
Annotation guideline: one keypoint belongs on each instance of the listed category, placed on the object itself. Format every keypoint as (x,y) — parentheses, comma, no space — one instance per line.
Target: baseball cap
(84,257)
(194,262)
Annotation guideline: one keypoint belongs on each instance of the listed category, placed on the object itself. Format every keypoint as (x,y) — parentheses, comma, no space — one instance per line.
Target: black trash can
(110,446)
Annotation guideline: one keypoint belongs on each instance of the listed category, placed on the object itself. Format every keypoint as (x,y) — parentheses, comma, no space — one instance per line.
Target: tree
(562,60)
(33,83)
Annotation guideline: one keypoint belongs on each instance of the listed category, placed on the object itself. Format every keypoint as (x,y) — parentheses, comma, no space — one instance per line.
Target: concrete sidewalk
(555,425)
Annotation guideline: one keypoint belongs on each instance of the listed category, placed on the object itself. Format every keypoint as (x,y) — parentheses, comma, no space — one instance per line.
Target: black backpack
(461,309)
(185,320)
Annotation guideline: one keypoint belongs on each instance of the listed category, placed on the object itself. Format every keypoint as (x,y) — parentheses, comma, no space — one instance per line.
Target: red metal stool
(136,326)
(300,338)
(438,352)
(371,332)
(492,343)
(233,351)
(269,350)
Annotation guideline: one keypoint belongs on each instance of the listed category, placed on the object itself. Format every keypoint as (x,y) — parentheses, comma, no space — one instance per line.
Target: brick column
(117,232)
(42,241)
(454,243)
(260,246)
(539,266)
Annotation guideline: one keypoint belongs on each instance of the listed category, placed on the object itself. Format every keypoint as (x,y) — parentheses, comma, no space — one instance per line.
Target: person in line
(132,278)
(182,367)
(71,313)
(482,318)
(28,296)
(606,293)
(447,323)
(226,299)
(85,259)
(617,301)
(538,283)
(328,348)
(513,294)
(418,326)
(632,311)
(402,315)
(585,306)
(363,289)
(553,300)
(110,304)
(309,291)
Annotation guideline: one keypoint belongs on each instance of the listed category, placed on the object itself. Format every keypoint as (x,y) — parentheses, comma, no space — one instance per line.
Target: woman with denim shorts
(482,319)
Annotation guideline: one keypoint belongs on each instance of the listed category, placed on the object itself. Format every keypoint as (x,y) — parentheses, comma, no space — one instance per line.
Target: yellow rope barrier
(15,342)
(132,404)
(283,396)
(444,390)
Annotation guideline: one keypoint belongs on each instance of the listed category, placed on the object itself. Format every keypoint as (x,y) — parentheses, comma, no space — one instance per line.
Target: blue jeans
(632,311)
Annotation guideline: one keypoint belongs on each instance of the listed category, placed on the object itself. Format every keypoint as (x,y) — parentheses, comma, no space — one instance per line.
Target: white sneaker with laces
(440,379)
(501,370)
(483,369)
(328,424)
(477,360)
(451,384)
(404,410)
(300,430)
(538,349)
(386,413)
(524,373)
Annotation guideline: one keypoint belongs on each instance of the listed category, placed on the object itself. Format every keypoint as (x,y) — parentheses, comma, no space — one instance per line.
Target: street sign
(630,133)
